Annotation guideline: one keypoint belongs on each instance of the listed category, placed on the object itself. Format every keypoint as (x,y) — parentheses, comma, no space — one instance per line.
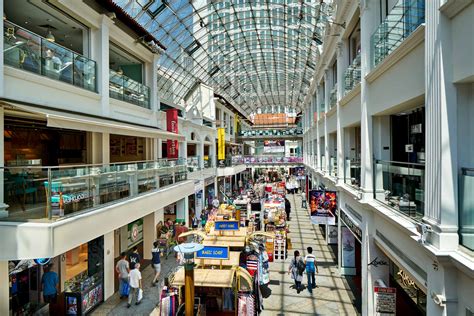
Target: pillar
(109,264)
(159,148)
(441,178)
(2,76)
(4,288)
(327,92)
(3,206)
(342,64)
(182,207)
(368,22)
(318,137)
(149,235)
(443,281)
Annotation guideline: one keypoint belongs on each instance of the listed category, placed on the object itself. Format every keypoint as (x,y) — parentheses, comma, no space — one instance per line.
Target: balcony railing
(322,109)
(28,51)
(125,89)
(272,132)
(400,185)
(193,163)
(466,208)
(352,75)
(404,18)
(250,160)
(231,161)
(333,97)
(38,193)
(352,172)
(333,166)
(323,163)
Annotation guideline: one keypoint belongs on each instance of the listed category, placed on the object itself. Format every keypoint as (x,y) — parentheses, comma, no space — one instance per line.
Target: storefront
(195,201)
(210,190)
(350,250)
(127,148)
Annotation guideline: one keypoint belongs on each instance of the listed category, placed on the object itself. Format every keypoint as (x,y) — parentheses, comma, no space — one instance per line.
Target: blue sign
(42,261)
(213,252)
(226,225)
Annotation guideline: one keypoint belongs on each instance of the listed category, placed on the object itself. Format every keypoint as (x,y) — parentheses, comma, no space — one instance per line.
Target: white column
(182,209)
(327,92)
(3,206)
(342,63)
(105,148)
(200,153)
(368,22)
(2,76)
(109,266)
(443,281)
(160,148)
(318,137)
(100,53)
(152,80)
(149,235)
(4,289)
(441,176)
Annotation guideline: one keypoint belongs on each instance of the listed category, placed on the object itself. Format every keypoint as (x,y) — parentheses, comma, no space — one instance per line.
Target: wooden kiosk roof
(207,278)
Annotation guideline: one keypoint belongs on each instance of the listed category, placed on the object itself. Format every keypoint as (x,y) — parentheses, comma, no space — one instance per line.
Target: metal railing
(249,160)
(28,51)
(57,192)
(352,75)
(333,97)
(402,20)
(193,163)
(333,166)
(466,208)
(126,89)
(400,185)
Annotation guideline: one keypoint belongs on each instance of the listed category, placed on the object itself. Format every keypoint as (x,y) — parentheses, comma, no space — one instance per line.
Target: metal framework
(260,55)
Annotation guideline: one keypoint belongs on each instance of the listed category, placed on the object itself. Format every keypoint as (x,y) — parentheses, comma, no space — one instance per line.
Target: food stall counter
(207,278)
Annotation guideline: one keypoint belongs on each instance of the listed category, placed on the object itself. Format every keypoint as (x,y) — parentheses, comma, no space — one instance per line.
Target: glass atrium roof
(260,55)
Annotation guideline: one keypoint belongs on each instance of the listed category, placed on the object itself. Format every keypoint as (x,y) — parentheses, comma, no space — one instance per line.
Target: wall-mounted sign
(226,225)
(135,233)
(352,225)
(213,252)
(221,143)
(385,300)
(172,126)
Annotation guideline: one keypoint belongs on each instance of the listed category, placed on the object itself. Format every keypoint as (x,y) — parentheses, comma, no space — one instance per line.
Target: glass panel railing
(333,166)
(34,193)
(249,160)
(193,163)
(466,208)
(322,109)
(26,50)
(333,97)
(125,89)
(323,163)
(400,185)
(352,75)
(352,172)
(404,18)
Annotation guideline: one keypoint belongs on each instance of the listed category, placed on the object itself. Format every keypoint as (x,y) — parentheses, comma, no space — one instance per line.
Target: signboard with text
(226,225)
(385,300)
(172,126)
(213,252)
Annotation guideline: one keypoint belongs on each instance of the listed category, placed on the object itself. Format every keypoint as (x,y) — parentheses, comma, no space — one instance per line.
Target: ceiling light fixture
(50,37)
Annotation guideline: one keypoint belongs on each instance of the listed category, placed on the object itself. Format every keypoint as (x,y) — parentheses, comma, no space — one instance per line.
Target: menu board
(385,300)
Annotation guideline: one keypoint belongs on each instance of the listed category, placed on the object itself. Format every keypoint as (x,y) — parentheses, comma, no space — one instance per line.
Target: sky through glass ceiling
(260,55)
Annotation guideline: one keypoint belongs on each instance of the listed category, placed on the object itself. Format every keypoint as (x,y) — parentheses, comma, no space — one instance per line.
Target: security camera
(439,299)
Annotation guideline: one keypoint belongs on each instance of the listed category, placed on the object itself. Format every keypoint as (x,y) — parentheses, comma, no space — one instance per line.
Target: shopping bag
(125,289)
(140,295)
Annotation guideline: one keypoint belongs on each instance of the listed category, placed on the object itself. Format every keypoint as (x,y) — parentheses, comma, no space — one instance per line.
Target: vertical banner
(322,205)
(348,248)
(172,126)
(221,144)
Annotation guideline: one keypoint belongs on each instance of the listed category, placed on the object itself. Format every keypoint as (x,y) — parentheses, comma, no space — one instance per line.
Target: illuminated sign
(213,252)
(42,261)
(226,225)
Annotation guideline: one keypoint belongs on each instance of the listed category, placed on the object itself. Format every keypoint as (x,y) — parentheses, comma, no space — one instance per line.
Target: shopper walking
(311,269)
(156,261)
(134,258)
(287,208)
(297,267)
(123,269)
(50,281)
(135,280)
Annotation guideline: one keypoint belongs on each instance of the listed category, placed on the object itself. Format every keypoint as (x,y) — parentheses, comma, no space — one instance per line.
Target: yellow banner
(221,143)
(236,125)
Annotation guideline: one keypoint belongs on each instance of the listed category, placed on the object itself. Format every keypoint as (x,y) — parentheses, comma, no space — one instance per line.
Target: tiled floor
(332,297)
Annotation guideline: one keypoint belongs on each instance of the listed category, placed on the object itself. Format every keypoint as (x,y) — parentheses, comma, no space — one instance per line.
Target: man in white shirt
(135,279)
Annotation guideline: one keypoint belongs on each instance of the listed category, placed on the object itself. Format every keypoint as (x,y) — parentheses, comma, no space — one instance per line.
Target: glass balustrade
(323,163)
(39,193)
(28,51)
(126,89)
(466,208)
(249,160)
(333,98)
(352,75)
(194,163)
(400,185)
(333,166)
(404,18)
(352,172)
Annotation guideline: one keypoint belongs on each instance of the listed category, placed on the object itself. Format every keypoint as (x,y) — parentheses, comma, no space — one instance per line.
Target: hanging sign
(221,143)
(172,126)
(213,252)
(352,225)
(385,300)
(323,205)
(226,225)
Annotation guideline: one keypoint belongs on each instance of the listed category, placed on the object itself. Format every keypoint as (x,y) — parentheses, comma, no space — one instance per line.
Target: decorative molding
(451,8)
(350,95)
(408,45)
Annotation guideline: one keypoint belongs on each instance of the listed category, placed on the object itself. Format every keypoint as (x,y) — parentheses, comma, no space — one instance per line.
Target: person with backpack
(311,269)
(297,267)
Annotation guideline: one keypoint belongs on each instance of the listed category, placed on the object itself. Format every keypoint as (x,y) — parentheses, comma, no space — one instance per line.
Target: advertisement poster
(221,143)
(348,248)
(332,234)
(172,126)
(323,205)
(385,300)
(273,146)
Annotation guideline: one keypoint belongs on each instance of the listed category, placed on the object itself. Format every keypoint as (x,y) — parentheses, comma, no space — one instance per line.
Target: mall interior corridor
(332,295)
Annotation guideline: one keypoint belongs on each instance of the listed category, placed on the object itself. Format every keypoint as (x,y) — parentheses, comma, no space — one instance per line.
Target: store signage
(378,262)
(221,143)
(135,232)
(385,300)
(172,126)
(355,229)
(213,252)
(42,261)
(226,225)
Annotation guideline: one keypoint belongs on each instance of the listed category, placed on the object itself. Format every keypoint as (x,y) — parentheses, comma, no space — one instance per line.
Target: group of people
(299,265)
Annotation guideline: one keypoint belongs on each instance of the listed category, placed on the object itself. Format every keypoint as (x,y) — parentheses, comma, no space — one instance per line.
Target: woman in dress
(296,270)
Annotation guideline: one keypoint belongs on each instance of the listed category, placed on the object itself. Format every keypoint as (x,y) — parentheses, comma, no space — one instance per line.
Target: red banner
(172,126)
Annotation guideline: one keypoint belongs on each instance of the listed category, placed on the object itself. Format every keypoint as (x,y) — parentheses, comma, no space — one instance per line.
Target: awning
(66,120)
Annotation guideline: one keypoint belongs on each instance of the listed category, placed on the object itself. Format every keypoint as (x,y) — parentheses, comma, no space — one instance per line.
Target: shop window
(126,148)
(125,63)
(408,136)
(411,300)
